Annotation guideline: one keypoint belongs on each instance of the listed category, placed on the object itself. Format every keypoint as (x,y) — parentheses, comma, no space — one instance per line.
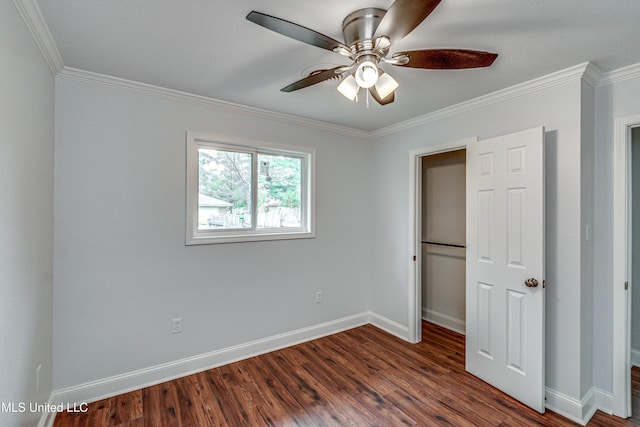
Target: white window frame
(195,236)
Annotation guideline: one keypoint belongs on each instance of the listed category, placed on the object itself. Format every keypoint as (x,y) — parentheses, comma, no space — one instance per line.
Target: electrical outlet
(318,297)
(176,325)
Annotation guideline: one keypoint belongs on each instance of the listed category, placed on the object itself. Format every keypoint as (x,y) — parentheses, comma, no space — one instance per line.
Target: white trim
(592,74)
(444,320)
(388,325)
(635,358)
(603,400)
(564,405)
(123,383)
(620,75)
(203,101)
(586,70)
(535,85)
(32,17)
(415,193)
(621,265)
(579,411)
(47,418)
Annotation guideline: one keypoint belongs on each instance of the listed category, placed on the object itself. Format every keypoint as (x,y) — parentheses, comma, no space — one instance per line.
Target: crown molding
(535,85)
(32,16)
(586,71)
(592,74)
(620,75)
(203,101)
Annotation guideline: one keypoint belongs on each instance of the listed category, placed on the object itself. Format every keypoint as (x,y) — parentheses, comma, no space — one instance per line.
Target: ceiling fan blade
(446,59)
(388,100)
(403,16)
(295,31)
(313,79)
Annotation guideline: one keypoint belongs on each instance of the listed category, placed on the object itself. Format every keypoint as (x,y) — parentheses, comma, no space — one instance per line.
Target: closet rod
(444,244)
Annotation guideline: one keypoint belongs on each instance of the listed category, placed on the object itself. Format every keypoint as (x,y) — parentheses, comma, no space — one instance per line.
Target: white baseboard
(635,357)
(119,384)
(579,411)
(46,419)
(388,325)
(603,400)
(564,405)
(444,320)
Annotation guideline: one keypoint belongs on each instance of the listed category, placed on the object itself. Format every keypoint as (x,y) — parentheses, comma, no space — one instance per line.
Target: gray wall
(26,218)
(444,221)
(123,270)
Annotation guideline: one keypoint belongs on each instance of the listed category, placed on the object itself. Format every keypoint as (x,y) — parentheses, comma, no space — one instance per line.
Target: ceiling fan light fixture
(367,74)
(386,85)
(368,37)
(349,88)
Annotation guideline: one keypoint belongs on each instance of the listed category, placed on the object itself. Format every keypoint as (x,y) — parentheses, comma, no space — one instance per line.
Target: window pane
(279,191)
(224,187)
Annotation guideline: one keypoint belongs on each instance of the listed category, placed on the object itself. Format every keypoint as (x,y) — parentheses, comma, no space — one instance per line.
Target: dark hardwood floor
(361,377)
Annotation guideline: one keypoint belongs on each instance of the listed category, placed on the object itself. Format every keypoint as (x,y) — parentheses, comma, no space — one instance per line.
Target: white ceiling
(208,48)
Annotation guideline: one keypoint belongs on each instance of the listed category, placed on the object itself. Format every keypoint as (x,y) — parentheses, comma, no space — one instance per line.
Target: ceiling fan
(368,36)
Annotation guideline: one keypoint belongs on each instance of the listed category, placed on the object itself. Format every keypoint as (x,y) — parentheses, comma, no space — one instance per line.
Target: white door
(505,248)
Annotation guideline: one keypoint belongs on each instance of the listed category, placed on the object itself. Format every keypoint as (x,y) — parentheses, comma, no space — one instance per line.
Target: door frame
(415,229)
(622,264)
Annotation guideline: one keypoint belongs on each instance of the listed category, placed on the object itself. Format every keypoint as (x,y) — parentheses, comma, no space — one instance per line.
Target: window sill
(207,239)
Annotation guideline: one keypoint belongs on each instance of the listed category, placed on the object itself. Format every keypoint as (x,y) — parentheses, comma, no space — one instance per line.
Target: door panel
(485,323)
(485,236)
(505,247)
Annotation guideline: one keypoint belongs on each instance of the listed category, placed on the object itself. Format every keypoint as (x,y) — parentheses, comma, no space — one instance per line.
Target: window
(247,191)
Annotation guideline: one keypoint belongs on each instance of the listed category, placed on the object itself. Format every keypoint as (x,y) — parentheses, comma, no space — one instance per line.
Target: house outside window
(247,191)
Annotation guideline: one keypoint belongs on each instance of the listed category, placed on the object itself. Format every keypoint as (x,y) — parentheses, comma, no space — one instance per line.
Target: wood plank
(324,402)
(192,411)
(125,408)
(245,397)
(160,406)
(97,414)
(363,389)
(133,423)
(268,407)
(290,411)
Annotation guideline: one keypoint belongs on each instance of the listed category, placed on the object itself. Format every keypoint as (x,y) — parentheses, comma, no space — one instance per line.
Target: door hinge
(414,258)
(626,286)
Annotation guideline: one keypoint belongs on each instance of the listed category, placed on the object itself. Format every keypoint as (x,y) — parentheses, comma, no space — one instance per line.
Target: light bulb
(366,74)
(369,74)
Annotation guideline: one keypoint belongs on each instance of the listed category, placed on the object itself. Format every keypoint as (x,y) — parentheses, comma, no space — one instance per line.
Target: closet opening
(442,239)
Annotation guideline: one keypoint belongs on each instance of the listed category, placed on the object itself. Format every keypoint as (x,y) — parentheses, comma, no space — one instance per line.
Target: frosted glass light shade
(349,88)
(386,85)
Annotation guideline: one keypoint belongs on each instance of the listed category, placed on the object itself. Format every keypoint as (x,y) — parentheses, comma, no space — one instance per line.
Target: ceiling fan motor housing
(359,27)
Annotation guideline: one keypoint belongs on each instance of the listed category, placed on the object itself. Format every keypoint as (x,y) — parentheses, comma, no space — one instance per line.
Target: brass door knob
(531,283)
